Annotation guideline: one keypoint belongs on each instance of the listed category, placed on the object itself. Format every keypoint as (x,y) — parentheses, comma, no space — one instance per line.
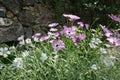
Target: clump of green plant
(89,10)
(74,51)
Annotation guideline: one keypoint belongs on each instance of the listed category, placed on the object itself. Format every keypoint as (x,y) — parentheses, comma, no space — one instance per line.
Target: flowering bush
(74,51)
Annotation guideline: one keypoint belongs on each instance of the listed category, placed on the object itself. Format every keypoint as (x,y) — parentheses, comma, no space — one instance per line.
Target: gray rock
(45,15)
(12,5)
(26,18)
(22,17)
(28,2)
(2,11)
(41,29)
(38,1)
(28,32)
(12,32)
(5,22)
(43,20)
(9,14)
(34,15)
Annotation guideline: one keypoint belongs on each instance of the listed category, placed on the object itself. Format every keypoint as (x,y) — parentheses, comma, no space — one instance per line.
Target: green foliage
(88,10)
(92,59)
(72,64)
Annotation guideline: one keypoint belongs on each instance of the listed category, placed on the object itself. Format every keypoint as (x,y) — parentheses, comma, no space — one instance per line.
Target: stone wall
(22,17)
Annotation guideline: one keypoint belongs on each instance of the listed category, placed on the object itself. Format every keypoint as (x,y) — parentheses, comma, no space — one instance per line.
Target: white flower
(25,53)
(92,45)
(8,52)
(94,67)
(43,57)
(107,45)
(1,53)
(1,49)
(28,41)
(93,30)
(96,40)
(112,57)
(1,66)
(56,56)
(18,63)
(22,42)
(93,34)
(36,39)
(21,38)
(12,47)
(54,52)
(5,55)
(108,61)
(51,41)
(50,33)
(53,29)
(4,52)
(103,50)
(5,48)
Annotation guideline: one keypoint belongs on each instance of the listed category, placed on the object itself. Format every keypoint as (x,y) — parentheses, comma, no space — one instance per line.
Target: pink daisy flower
(104,28)
(82,36)
(77,39)
(108,33)
(117,43)
(58,45)
(71,17)
(114,17)
(69,31)
(112,39)
(56,35)
(53,24)
(87,26)
(44,38)
(116,33)
(81,24)
(36,35)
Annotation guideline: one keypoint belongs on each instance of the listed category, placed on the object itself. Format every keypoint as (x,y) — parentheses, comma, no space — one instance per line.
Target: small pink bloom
(58,45)
(36,35)
(44,38)
(104,28)
(56,35)
(114,17)
(53,24)
(116,33)
(117,43)
(69,31)
(81,24)
(77,39)
(71,17)
(112,40)
(74,28)
(108,33)
(87,26)
(82,36)
(62,32)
